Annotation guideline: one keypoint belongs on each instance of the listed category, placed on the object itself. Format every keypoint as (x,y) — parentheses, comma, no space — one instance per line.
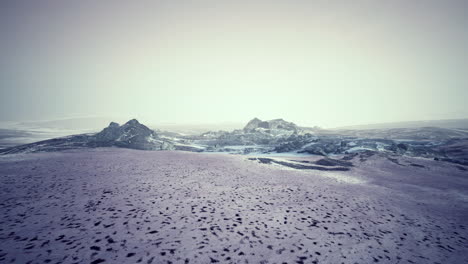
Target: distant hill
(257,136)
(77,124)
(446,123)
(256,124)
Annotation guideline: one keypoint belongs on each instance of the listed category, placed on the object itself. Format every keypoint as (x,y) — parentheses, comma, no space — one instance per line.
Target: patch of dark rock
(363,156)
(265,160)
(97,261)
(314,152)
(301,161)
(332,162)
(304,167)
(350,156)
(417,165)
(95,248)
(460,162)
(395,161)
(402,146)
(299,166)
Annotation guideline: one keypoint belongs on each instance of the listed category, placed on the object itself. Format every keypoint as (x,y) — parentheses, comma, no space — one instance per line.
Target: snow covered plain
(128,206)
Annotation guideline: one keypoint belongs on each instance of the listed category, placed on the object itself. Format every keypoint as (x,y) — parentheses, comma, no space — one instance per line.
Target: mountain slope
(130,135)
(274,124)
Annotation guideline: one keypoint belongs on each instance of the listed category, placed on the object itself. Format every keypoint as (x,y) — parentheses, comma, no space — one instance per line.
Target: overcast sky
(326,63)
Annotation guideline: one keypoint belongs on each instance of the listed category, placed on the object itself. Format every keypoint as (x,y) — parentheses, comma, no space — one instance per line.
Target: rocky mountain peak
(278,123)
(132,122)
(130,130)
(252,124)
(113,125)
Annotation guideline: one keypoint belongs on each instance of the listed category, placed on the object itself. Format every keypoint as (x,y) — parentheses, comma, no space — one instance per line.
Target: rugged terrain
(299,195)
(273,136)
(112,205)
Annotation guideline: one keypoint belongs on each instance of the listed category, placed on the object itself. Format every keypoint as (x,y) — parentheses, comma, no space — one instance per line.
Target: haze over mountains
(90,123)
(272,136)
(444,123)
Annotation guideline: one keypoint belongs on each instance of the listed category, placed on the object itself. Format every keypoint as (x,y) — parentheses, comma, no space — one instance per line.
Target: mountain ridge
(271,136)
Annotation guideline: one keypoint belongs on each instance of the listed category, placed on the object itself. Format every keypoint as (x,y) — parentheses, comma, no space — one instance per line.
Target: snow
(308,145)
(340,177)
(279,154)
(129,206)
(358,149)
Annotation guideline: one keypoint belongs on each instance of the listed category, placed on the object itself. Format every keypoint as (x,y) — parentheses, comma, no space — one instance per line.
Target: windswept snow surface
(114,205)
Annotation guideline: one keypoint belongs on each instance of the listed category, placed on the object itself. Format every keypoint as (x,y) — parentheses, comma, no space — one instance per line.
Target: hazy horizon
(85,124)
(315,63)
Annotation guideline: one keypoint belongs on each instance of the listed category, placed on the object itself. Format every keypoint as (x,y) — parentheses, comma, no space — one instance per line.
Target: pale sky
(326,63)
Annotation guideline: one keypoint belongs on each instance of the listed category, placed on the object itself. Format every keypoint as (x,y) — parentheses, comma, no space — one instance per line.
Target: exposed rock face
(282,124)
(255,133)
(130,132)
(252,125)
(275,124)
(294,142)
(275,135)
(453,150)
(130,135)
(109,133)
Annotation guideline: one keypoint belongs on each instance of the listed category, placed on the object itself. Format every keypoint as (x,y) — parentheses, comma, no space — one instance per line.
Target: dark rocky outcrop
(132,135)
(277,135)
(255,133)
(274,124)
(295,165)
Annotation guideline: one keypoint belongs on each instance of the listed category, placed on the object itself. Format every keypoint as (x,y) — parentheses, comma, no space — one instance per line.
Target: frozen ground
(128,206)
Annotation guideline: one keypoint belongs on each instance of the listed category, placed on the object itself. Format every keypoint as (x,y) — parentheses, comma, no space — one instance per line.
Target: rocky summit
(274,124)
(132,134)
(274,136)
